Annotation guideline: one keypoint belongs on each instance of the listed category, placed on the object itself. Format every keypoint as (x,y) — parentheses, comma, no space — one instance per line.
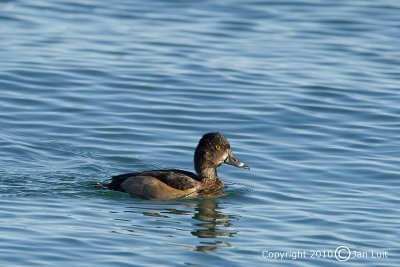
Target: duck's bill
(232,160)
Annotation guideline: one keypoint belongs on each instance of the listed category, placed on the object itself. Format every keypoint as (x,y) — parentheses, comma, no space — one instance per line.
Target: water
(307,92)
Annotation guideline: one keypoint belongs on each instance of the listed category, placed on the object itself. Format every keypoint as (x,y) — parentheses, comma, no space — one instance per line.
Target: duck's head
(212,151)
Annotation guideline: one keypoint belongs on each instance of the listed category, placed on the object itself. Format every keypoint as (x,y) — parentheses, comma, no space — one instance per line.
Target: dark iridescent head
(213,150)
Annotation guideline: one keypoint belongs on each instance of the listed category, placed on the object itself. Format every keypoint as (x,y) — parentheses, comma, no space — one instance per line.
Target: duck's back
(178,179)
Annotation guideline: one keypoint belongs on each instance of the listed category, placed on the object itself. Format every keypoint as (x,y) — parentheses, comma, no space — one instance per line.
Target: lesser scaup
(212,151)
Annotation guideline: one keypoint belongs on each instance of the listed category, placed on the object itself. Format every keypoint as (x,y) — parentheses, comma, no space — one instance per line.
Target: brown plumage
(212,151)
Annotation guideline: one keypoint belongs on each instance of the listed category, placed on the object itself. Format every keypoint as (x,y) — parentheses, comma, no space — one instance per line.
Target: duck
(212,151)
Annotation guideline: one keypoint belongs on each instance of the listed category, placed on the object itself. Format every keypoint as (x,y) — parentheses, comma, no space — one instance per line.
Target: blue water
(307,92)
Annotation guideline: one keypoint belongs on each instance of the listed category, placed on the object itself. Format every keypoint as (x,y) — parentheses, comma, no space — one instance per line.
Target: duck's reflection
(210,222)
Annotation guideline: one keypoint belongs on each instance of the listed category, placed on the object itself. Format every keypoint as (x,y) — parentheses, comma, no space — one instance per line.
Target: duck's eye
(218,147)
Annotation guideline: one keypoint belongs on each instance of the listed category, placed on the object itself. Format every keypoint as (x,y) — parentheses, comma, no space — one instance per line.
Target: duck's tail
(116,182)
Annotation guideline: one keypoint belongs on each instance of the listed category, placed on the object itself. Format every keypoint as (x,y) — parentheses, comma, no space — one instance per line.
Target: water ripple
(306,91)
